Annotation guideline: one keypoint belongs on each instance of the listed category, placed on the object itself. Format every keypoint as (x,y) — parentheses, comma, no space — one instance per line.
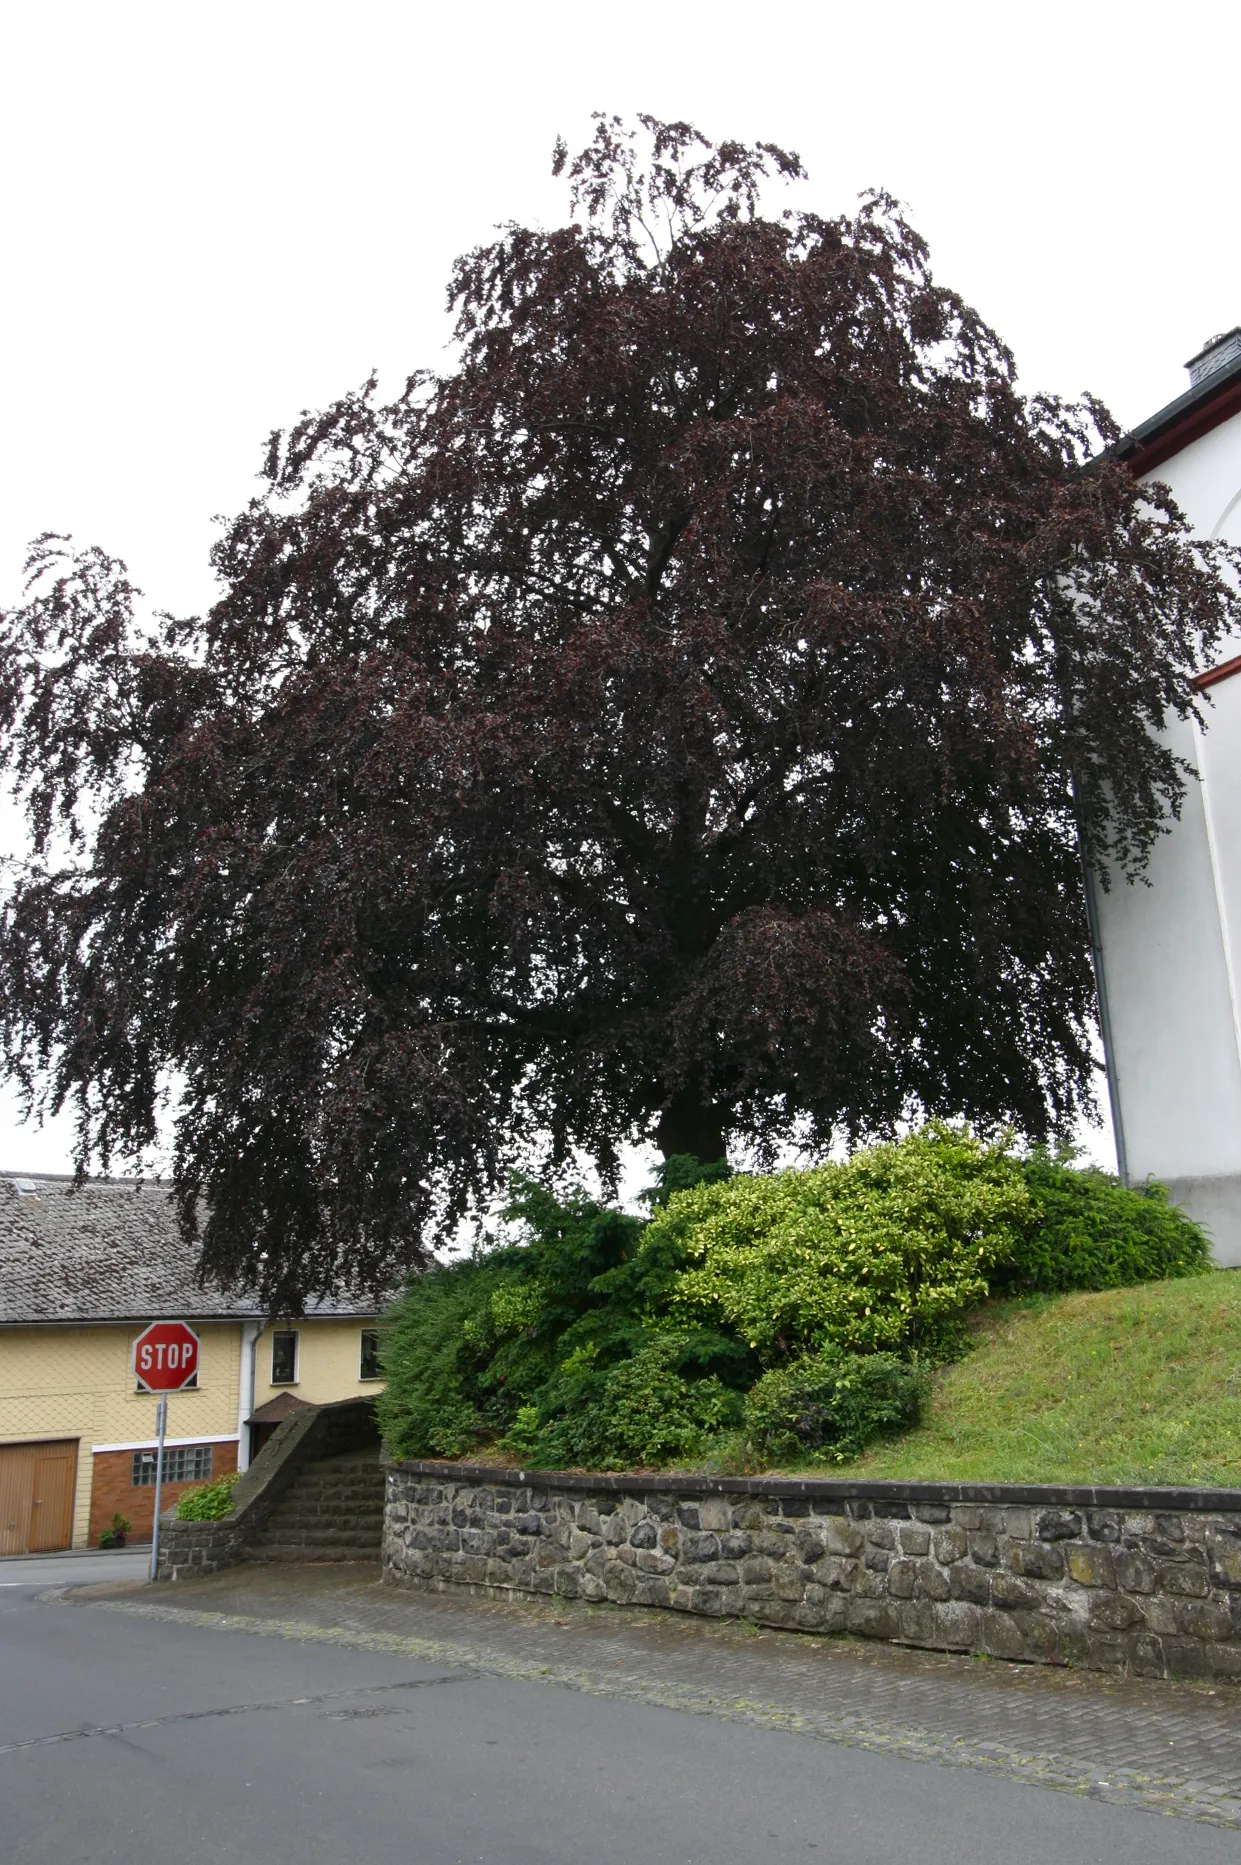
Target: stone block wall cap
(828,1489)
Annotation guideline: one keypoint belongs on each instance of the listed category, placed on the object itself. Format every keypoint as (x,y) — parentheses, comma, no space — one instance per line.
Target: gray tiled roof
(107,1250)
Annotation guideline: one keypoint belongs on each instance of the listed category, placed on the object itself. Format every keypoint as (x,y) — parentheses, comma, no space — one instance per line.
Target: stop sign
(166,1356)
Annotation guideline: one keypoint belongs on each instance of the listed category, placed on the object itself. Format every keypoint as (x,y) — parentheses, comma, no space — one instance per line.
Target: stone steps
(282,1524)
(330,1498)
(316,1501)
(287,1526)
(333,1511)
(298,1551)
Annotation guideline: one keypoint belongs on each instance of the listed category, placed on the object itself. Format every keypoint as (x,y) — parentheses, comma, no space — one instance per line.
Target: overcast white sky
(213,217)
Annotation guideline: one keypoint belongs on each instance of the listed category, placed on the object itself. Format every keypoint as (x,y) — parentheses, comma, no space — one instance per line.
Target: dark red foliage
(676,719)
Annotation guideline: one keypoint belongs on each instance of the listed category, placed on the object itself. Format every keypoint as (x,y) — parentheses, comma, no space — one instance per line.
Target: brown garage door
(36,1496)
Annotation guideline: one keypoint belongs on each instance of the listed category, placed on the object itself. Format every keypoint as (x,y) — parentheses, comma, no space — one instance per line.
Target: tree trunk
(688,1125)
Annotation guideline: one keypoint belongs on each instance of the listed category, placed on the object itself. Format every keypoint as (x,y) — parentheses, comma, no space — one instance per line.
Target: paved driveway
(306,1716)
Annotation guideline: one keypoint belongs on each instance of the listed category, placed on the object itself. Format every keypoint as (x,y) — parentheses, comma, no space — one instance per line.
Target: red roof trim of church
(1214,675)
(1183,421)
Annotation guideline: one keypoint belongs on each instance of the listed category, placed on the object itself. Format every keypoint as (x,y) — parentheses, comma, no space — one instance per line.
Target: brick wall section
(113,1491)
(1141,1581)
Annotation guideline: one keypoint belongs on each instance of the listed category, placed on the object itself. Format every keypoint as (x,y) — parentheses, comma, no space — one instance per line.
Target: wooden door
(51,1510)
(16,1496)
(37,1482)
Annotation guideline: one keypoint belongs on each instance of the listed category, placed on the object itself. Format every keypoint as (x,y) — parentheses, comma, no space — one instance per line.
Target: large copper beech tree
(681,718)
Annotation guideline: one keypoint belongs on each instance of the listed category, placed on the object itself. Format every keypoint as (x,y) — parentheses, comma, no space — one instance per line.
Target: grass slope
(1138,1385)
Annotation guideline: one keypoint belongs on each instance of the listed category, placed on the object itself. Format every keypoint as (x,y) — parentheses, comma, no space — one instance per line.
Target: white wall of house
(1171,945)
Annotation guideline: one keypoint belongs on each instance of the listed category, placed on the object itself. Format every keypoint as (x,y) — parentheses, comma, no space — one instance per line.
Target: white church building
(1168,954)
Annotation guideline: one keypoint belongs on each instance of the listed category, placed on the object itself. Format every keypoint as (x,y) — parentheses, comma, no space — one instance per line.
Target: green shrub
(1088,1231)
(658,1411)
(655,1407)
(884,1253)
(829,1405)
(207,1502)
(438,1340)
(602,1341)
(519,1344)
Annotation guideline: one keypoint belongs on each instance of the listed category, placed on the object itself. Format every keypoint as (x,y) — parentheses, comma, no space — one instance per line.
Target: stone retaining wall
(1147,1581)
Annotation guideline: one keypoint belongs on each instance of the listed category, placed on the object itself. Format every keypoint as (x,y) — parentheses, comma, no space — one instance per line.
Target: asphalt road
(125,1736)
(84,1569)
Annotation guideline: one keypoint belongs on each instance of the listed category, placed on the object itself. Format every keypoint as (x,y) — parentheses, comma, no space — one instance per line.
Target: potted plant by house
(115,1536)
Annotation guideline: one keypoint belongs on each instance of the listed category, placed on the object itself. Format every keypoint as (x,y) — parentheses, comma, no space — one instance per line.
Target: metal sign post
(161,1425)
(165,1360)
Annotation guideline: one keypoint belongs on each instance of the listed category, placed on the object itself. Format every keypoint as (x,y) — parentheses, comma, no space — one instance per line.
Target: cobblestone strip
(1154,1792)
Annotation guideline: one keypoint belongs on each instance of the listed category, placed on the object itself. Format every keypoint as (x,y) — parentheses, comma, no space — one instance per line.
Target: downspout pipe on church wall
(1089,886)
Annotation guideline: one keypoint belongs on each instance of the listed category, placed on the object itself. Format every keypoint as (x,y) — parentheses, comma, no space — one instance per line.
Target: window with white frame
(284,1357)
(369,1366)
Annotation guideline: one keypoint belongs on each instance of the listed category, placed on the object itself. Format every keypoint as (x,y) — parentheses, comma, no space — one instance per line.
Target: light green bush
(886,1252)
(207,1502)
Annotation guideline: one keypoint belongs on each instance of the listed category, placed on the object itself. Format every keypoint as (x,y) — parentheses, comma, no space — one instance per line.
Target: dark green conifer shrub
(521,1345)
(1088,1231)
(658,1406)
(437,1343)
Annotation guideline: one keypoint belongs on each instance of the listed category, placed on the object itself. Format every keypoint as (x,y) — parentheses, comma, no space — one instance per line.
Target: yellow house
(83,1269)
